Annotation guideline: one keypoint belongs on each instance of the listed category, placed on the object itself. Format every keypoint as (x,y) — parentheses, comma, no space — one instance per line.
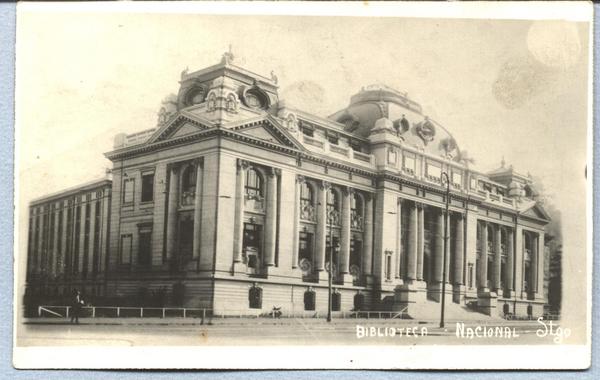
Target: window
(409,164)
(76,238)
(307,132)
(255,297)
(388,266)
(145,246)
(433,171)
(305,246)
(456,179)
(97,225)
(359,301)
(86,240)
(309,300)
(355,255)
(251,245)
(148,187)
(356,212)
(333,208)
(188,185)
(126,241)
(333,139)
(254,184)
(307,209)
(186,234)
(392,156)
(128,189)
(336,301)
(470,275)
(356,146)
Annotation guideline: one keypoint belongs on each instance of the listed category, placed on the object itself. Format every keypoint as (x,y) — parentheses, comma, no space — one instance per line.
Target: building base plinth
(458,293)
(487,302)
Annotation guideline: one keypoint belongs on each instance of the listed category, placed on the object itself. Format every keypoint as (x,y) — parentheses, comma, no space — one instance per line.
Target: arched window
(356,212)
(333,208)
(527,281)
(254,184)
(188,185)
(307,202)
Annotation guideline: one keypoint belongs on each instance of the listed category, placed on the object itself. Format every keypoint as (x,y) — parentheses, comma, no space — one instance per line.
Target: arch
(231,104)
(212,101)
(194,96)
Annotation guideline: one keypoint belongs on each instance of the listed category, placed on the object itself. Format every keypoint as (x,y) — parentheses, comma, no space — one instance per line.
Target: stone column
(411,264)
(483,259)
(55,253)
(197,211)
(399,251)
(497,259)
(368,241)
(510,259)
(240,197)
(438,262)
(540,266)
(534,264)
(297,211)
(172,212)
(90,262)
(105,233)
(81,238)
(321,232)
(345,232)
(64,242)
(271,219)
(459,250)
(420,240)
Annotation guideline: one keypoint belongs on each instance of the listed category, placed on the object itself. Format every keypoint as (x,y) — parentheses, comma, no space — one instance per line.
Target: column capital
(324,185)
(198,161)
(241,164)
(272,172)
(348,191)
(300,179)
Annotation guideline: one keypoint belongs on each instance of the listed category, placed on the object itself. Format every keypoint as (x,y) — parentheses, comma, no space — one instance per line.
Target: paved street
(178,331)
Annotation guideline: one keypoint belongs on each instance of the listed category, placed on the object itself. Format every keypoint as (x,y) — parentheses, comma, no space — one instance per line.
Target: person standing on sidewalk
(76,307)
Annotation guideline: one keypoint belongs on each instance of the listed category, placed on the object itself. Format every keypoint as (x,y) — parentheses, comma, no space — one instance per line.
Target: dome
(416,129)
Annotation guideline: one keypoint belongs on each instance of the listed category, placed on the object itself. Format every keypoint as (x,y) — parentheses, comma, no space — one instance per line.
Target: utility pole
(445,179)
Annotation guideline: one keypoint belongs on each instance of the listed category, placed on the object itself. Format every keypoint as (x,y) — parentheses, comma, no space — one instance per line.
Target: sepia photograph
(303,186)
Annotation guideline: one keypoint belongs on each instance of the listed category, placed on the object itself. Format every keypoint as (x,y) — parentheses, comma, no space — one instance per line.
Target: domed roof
(379,101)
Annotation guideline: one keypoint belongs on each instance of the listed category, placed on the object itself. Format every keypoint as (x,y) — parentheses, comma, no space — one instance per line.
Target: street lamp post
(445,179)
(329,268)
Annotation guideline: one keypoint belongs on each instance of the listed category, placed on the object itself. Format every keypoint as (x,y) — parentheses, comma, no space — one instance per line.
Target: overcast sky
(512,89)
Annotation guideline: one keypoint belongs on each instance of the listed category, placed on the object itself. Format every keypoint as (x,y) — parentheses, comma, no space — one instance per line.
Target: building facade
(238,201)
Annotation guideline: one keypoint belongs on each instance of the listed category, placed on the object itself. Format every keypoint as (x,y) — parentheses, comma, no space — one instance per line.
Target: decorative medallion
(426,130)
(305,266)
(354,271)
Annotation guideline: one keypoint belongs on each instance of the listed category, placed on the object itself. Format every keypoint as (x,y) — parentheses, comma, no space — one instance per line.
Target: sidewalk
(234,321)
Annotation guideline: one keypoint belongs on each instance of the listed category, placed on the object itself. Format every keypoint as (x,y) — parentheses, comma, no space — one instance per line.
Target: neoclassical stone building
(237,201)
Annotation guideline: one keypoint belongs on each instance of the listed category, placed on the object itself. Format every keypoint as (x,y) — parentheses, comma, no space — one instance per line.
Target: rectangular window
(86,240)
(334,140)
(145,246)
(307,132)
(392,156)
(434,171)
(356,146)
(252,245)
(125,257)
(409,164)
(148,187)
(128,189)
(97,225)
(388,267)
(470,275)
(456,179)
(76,239)
(305,246)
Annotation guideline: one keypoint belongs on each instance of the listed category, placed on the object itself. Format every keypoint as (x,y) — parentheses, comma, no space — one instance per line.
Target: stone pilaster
(420,240)
(172,212)
(344,261)
(438,262)
(459,250)
(399,250)
(197,212)
(271,219)
(509,261)
(483,260)
(368,241)
(90,261)
(296,235)
(238,233)
(534,264)
(497,259)
(540,267)
(81,238)
(321,229)
(55,253)
(411,264)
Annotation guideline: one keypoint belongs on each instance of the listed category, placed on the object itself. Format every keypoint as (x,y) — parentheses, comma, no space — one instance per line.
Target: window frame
(144,188)
(122,245)
(124,200)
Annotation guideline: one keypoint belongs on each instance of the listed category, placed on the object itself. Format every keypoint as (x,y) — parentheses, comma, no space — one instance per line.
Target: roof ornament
(273,77)
(228,56)
(502,163)
(184,72)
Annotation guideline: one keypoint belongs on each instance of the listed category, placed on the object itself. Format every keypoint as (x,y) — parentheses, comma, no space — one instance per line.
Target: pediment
(269,131)
(536,211)
(180,126)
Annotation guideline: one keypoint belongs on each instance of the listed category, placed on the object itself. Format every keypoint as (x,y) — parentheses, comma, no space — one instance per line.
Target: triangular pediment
(536,211)
(268,130)
(181,125)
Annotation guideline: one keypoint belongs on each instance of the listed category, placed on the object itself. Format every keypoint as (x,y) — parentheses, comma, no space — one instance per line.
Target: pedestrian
(529,311)
(76,306)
